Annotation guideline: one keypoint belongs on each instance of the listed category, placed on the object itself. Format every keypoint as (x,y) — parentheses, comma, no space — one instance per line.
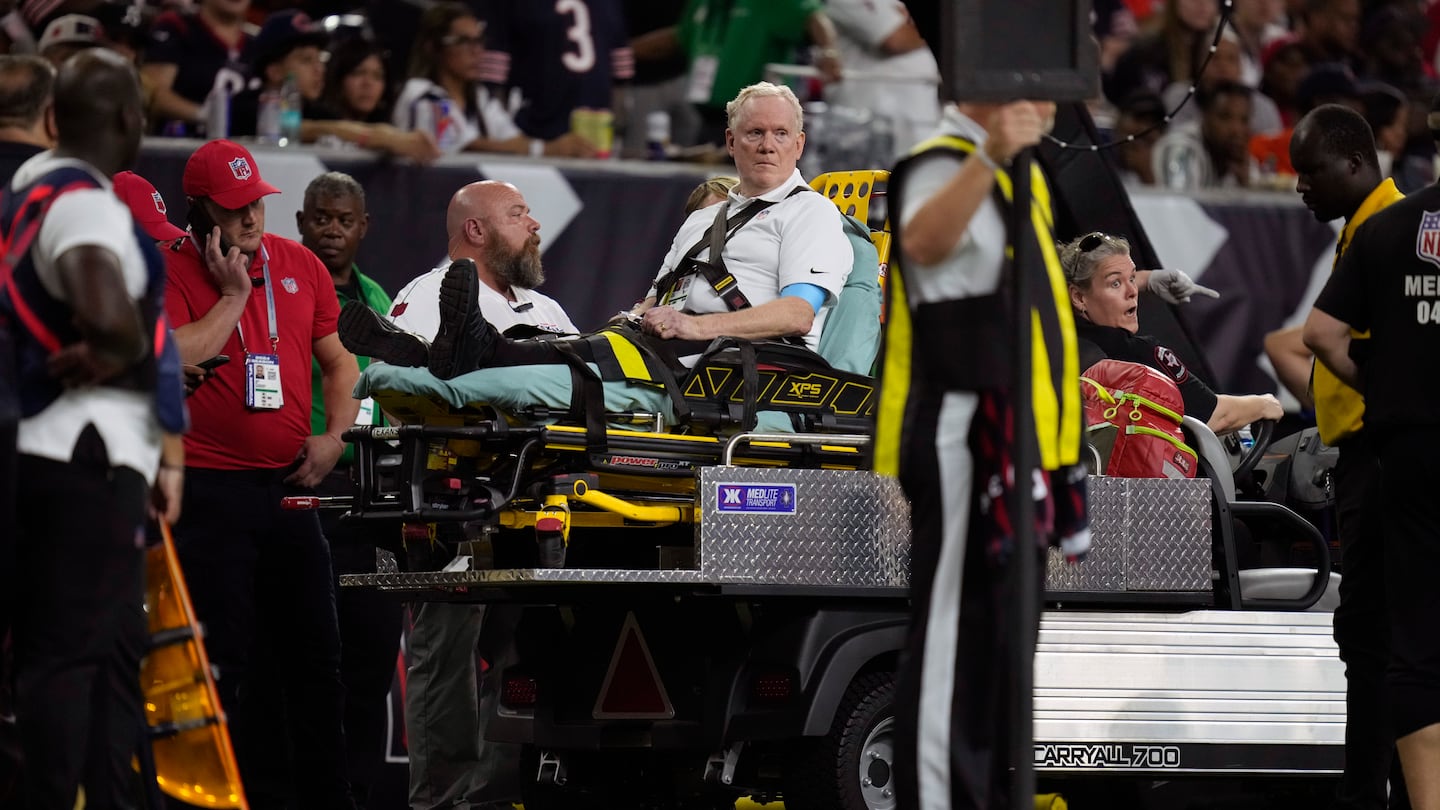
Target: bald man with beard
(488,223)
(451,765)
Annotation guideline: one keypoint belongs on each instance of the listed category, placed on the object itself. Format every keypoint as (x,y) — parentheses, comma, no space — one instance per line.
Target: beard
(518,268)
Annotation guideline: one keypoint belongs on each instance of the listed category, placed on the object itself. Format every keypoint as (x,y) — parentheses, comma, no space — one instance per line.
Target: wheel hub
(877,758)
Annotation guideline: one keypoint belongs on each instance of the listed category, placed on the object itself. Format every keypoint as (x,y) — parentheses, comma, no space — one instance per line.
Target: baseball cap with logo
(283,32)
(225,172)
(71,29)
(146,206)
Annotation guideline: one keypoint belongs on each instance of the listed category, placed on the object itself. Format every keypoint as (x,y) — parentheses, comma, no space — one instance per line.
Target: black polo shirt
(1113,343)
(1388,281)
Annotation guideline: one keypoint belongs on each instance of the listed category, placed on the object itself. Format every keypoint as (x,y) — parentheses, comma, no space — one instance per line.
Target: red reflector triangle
(632,689)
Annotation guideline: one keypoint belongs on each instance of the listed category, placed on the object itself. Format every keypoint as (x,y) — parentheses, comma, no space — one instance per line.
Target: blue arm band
(813,294)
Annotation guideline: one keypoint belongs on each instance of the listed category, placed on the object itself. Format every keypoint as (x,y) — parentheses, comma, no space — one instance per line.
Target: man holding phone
(270,305)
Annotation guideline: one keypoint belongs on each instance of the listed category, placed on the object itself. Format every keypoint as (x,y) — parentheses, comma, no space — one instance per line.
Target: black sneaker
(364,332)
(466,341)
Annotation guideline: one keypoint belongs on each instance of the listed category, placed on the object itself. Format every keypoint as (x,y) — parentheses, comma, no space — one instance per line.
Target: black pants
(1410,472)
(79,627)
(952,742)
(1362,632)
(370,624)
(263,588)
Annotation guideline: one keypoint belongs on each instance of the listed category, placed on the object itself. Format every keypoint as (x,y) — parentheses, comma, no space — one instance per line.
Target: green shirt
(374,297)
(744,36)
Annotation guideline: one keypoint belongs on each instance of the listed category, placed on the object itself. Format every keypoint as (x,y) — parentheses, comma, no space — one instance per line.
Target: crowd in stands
(1197,93)
(1256,67)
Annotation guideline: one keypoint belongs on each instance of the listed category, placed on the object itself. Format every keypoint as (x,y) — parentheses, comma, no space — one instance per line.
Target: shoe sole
(459,296)
(363,333)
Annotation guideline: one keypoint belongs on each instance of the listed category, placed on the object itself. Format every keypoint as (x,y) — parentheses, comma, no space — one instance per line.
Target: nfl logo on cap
(159,201)
(240,167)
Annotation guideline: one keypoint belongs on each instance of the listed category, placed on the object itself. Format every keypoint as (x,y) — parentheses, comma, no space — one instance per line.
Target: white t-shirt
(913,102)
(417,308)
(799,240)
(125,419)
(973,267)
(424,104)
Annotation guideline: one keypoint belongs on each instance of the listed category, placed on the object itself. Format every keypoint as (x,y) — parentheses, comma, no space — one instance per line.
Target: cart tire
(852,767)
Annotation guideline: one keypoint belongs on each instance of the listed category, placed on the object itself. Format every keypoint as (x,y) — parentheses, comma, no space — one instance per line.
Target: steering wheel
(1244,461)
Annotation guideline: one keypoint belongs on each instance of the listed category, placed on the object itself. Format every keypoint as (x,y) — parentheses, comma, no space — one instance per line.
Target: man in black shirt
(25,85)
(1388,282)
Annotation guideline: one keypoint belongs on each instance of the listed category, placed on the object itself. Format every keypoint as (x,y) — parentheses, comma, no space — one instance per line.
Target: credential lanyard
(269,306)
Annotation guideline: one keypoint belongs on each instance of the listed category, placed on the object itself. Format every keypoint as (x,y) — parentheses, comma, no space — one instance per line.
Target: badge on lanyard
(262,382)
(262,371)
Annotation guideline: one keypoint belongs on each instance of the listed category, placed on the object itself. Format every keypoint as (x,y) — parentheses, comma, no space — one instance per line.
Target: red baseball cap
(225,172)
(146,206)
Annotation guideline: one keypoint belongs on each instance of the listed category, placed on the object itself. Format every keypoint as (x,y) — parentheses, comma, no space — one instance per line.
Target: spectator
(1329,30)
(68,35)
(289,44)
(1115,29)
(1387,113)
(1256,23)
(331,225)
(1171,53)
(260,576)
(1330,83)
(192,53)
(725,56)
(560,57)
(444,96)
(1392,52)
(1215,153)
(659,84)
(1283,67)
(880,37)
(25,129)
(357,83)
(1138,127)
(1226,65)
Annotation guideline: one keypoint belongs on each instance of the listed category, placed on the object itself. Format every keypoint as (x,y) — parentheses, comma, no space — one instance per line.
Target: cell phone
(201,224)
(214,362)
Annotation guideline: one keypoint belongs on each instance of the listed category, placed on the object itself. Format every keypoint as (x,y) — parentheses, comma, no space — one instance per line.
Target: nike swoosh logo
(817,272)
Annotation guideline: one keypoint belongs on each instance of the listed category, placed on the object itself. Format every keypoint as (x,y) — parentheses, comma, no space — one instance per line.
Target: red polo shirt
(224,434)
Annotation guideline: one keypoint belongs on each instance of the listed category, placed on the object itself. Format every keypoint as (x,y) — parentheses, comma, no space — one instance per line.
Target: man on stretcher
(783,262)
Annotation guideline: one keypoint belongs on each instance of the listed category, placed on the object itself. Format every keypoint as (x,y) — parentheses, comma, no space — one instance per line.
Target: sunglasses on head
(1091,241)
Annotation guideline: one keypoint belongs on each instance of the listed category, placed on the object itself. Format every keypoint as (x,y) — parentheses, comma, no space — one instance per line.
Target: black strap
(587,398)
(713,269)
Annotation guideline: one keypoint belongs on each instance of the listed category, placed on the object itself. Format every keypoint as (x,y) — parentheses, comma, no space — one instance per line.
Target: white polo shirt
(799,240)
(417,308)
(125,419)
